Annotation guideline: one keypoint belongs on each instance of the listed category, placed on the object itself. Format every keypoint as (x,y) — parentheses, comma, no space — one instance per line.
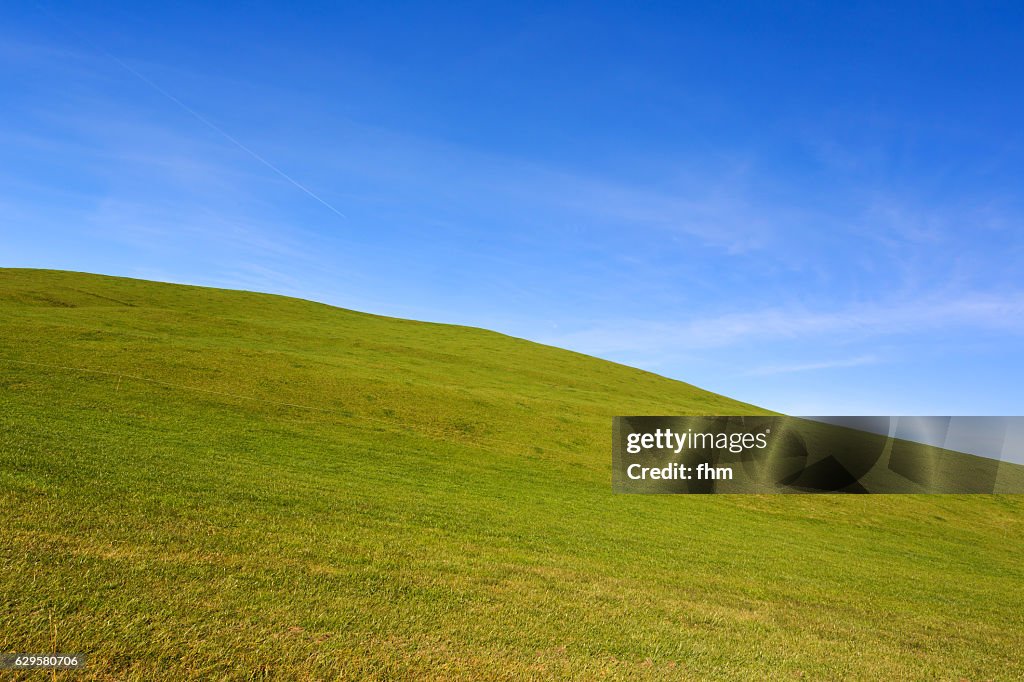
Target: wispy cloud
(1003,312)
(858,361)
(711,204)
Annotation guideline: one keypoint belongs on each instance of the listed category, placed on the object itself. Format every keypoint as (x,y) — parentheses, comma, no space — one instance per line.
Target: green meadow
(207,484)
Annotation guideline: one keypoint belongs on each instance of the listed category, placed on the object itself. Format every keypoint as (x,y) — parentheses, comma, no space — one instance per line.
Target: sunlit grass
(246,486)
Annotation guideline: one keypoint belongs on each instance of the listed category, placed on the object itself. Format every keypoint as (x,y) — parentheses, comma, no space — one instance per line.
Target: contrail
(213,126)
(202,119)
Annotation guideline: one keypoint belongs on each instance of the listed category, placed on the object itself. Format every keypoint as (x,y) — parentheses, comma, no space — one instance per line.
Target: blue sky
(817,209)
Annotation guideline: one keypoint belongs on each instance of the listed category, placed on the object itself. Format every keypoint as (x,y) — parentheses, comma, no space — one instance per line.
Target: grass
(203,484)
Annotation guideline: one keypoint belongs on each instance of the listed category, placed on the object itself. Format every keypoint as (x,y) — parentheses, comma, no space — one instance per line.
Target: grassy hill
(198,483)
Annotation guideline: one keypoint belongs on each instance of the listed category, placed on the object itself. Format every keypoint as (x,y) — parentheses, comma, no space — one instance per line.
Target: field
(209,484)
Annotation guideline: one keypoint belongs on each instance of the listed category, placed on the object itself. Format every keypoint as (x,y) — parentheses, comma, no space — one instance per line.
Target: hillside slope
(207,483)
